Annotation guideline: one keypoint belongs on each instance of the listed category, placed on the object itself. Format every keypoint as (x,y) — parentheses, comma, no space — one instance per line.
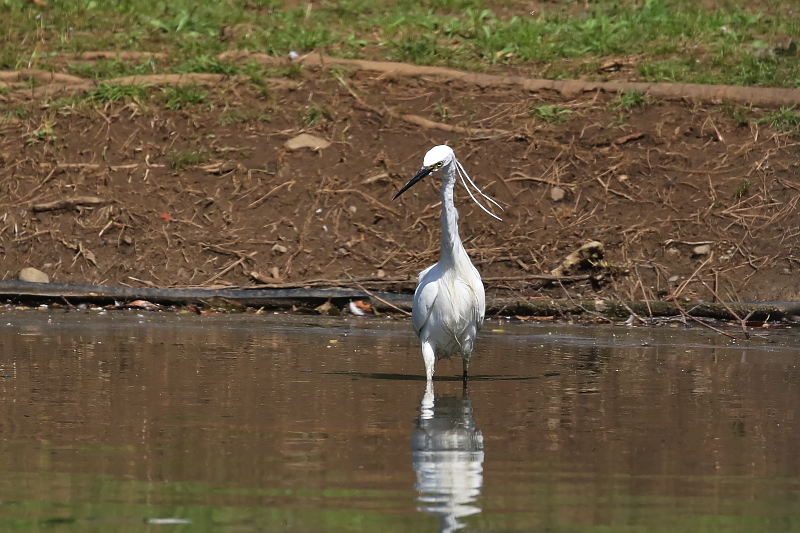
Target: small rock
(218,167)
(167,521)
(280,249)
(304,140)
(704,249)
(33,275)
(557,194)
(263,278)
(673,279)
(144,304)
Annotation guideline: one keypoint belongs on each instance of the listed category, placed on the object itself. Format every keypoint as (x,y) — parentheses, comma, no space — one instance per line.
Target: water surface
(157,422)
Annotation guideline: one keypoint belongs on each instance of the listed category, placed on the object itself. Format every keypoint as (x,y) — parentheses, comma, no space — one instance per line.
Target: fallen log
(26,292)
(100,294)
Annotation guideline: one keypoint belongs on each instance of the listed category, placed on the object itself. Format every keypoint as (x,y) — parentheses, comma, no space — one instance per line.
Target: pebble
(304,140)
(557,194)
(704,249)
(33,275)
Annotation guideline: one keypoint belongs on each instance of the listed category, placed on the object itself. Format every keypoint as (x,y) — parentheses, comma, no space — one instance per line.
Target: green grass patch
(442,111)
(682,40)
(44,133)
(314,114)
(784,119)
(630,100)
(552,114)
(292,71)
(236,116)
(106,92)
(16,113)
(184,96)
(738,113)
(743,189)
(207,63)
(182,159)
(112,68)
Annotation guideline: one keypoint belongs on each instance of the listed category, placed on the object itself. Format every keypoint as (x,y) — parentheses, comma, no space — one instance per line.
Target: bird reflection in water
(448,458)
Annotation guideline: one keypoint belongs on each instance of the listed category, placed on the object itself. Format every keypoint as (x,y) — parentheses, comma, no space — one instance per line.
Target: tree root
(568,88)
(52,83)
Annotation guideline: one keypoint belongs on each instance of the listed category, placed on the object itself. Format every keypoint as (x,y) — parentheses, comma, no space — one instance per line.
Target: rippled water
(157,422)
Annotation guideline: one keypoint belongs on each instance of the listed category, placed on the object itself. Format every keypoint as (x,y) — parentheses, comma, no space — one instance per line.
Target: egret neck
(451,242)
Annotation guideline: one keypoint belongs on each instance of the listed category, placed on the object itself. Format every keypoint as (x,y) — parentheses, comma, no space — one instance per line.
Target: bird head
(442,156)
(436,158)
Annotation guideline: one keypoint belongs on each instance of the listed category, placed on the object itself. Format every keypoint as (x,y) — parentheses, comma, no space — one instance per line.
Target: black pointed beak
(424,171)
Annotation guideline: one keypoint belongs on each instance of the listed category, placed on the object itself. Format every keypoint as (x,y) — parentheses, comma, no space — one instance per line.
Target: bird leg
(465,361)
(429,357)
(427,402)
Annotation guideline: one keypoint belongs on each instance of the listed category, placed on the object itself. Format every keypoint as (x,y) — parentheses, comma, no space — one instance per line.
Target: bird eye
(437,166)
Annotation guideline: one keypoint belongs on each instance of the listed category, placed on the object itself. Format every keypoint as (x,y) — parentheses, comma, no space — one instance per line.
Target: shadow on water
(419,377)
(447,454)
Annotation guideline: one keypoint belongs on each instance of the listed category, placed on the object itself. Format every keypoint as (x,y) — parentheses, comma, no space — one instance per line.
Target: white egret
(449,302)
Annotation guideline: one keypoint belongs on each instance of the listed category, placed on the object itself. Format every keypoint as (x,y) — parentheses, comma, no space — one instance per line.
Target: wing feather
(424,299)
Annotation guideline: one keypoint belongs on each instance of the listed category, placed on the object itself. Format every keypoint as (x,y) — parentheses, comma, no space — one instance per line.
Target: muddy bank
(197,188)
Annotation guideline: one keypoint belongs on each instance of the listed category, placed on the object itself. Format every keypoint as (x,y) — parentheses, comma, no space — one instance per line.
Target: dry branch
(70,203)
(430,124)
(364,195)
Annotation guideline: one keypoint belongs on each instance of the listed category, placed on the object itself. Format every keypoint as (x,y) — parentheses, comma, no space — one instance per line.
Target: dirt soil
(684,198)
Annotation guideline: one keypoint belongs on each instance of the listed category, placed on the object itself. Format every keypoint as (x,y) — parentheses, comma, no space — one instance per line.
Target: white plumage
(449,303)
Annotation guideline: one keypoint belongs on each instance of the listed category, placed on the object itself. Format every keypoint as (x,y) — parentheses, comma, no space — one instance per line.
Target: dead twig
(689,279)
(70,203)
(578,304)
(742,321)
(521,176)
(364,195)
(705,324)
(628,138)
(270,193)
(230,267)
(631,311)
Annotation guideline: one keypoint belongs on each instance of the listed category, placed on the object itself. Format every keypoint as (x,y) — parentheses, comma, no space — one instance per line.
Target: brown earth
(208,195)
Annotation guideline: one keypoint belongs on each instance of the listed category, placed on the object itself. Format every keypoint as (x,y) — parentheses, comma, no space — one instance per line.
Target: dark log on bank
(26,292)
(32,293)
(617,310)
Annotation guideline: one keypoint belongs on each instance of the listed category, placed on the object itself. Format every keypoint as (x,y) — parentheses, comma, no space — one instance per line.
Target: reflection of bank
(448,458)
